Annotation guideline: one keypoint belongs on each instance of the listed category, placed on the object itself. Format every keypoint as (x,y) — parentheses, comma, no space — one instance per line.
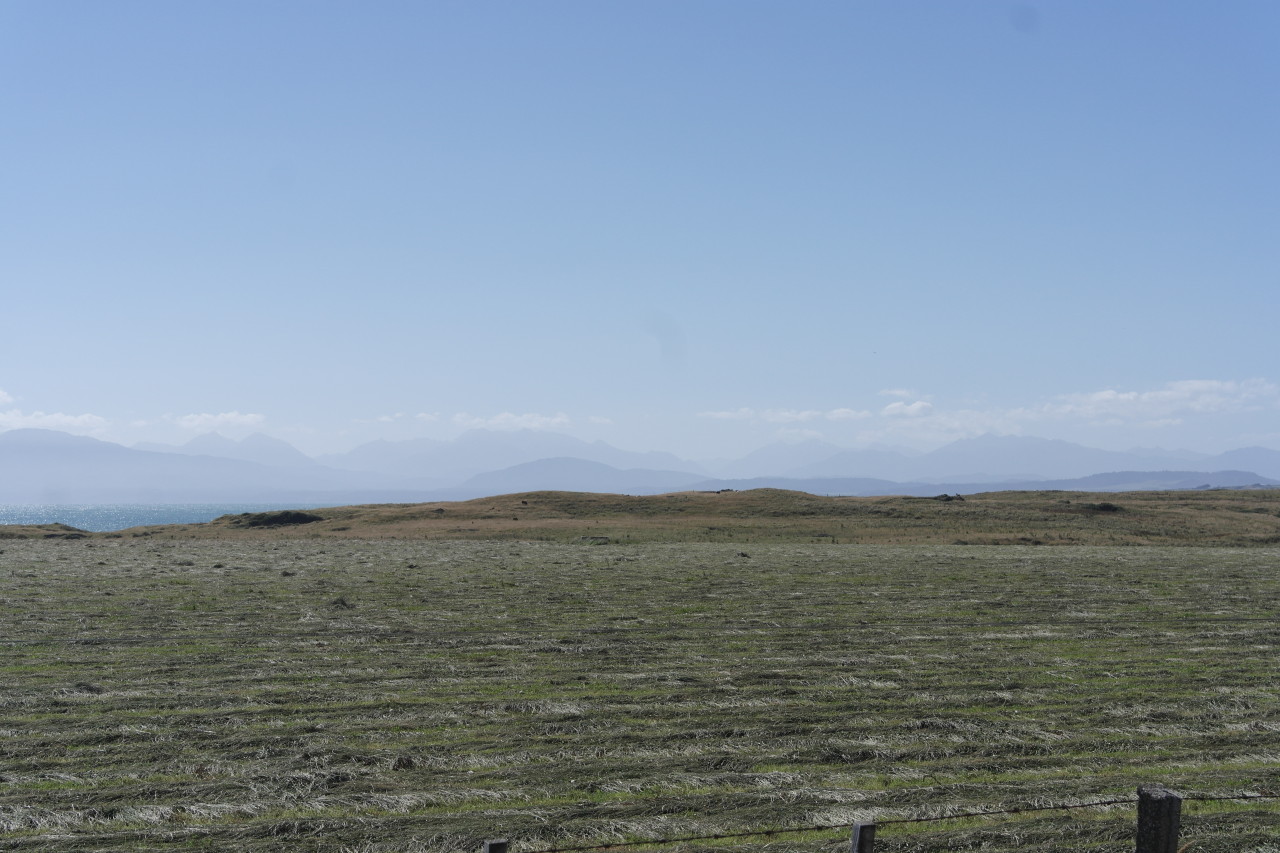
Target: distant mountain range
(991,458)
(45,466)
(259,448)
(480,451)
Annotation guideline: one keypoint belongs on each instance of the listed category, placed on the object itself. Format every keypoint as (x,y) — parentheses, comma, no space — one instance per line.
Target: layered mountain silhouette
(45,466)
(478,451)
(259,448)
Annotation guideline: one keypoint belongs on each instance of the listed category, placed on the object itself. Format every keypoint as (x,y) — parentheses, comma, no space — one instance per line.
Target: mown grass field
(334,694)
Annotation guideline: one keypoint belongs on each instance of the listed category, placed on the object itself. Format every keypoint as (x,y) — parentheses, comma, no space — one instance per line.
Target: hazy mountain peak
(577,475)
(48,438)
(213,443)
(991,439)
(257,447)
(780,457)
(479,450)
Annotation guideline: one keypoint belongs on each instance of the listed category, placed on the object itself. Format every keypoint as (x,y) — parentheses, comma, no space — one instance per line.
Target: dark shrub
(275,519)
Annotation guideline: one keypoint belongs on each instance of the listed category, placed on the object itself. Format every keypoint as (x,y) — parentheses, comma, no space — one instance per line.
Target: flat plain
(295,687)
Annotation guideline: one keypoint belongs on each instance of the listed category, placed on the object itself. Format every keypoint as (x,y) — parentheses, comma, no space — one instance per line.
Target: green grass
(179,694)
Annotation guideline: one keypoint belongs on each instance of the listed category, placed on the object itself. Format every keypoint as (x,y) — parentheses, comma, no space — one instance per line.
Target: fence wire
(658,842)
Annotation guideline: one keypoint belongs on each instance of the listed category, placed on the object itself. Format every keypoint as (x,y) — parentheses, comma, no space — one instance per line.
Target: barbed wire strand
(892,821)
(323,822)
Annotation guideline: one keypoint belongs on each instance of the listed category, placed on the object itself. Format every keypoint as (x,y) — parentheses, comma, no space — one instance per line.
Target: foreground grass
(327,694)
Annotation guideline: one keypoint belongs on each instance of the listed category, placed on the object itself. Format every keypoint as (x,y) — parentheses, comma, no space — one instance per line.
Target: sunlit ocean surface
(102,517)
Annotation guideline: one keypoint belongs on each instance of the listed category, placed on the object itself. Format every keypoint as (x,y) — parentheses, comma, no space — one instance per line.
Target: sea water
(105,517)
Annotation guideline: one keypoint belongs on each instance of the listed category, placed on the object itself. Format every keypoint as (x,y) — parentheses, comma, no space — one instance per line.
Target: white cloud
(600,419)
(511,421)
(1188,396)
(907,410)
(785,416)
(396,418)
(922,422)
(206,421)
(5,398)
(80,424)
(1168,406)
(789,416)
(847,415)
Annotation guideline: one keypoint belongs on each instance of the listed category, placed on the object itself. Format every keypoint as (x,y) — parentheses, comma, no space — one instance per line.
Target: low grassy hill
(1229,518)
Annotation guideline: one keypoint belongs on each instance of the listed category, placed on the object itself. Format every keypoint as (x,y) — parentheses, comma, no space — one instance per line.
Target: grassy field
(288,689)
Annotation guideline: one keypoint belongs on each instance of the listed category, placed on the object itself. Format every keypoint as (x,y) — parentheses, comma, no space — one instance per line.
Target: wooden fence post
(1159,815)
(864,838)
(498,845)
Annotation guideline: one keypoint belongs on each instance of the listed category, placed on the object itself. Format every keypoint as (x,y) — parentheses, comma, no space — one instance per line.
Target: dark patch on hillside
(278,518)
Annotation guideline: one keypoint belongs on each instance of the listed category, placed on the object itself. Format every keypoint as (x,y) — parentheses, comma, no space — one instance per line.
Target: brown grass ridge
(1226,518)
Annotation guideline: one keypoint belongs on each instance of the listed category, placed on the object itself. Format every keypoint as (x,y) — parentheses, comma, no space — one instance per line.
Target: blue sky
(687,226)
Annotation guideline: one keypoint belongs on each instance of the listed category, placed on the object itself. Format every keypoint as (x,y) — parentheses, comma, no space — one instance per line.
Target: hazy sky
(686,225)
